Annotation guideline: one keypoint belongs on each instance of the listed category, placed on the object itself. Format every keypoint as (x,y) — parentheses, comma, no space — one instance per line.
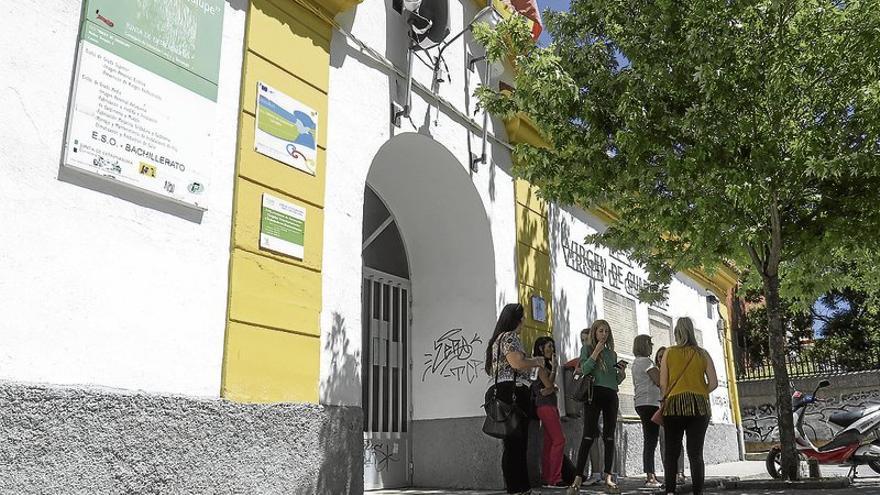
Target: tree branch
(756,259)
(775,254)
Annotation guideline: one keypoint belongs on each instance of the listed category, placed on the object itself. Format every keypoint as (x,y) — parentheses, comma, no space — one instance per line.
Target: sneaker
(593,481)
(558,484)
(652,484)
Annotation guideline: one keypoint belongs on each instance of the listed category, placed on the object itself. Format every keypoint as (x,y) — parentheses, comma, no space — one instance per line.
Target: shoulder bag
(582,389)
(503,417)
(657,418)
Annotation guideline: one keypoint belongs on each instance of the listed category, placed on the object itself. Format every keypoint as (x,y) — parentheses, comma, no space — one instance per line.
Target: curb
(709,483)
(756,456)
(834,483)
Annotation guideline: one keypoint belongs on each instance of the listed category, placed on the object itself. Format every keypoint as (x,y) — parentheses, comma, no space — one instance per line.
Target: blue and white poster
(286,129)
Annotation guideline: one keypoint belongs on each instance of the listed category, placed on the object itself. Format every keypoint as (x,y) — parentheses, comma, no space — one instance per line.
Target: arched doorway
(427,238)
(385,349)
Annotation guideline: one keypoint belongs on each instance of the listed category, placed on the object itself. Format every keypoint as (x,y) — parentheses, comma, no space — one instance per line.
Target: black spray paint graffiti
(452,356)
(723,404)
(380,455)
(759,422)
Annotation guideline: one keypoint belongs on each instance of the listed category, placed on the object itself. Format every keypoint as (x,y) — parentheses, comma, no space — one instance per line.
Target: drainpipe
(732,387)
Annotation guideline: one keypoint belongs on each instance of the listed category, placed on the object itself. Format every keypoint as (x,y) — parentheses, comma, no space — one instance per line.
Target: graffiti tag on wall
(452,356)
(380,455)
(759,422)
(721,402)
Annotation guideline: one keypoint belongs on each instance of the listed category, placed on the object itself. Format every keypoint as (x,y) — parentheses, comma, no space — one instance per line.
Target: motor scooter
(856,444)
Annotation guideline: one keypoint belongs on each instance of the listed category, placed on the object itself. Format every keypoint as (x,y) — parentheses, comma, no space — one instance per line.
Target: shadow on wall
(239,5)
(343,380)
(343,455)
(567,337)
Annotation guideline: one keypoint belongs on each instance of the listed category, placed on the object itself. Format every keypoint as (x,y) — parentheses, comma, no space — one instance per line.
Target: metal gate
(386,383)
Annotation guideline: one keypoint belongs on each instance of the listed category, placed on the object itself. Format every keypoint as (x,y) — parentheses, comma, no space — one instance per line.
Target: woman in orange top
(687,377)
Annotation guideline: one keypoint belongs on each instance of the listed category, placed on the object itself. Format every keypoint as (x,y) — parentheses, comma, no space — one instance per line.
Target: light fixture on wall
(428,22)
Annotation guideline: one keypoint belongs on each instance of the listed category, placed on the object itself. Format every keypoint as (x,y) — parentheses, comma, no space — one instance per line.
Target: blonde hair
(684,333)
(592,340)
(642,346)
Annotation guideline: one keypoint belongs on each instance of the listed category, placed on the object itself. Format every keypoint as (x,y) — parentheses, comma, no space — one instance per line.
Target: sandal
(575,487)
(611,486)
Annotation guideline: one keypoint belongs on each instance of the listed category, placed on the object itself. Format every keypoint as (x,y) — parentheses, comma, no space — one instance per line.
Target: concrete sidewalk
(867,483)
(714,473)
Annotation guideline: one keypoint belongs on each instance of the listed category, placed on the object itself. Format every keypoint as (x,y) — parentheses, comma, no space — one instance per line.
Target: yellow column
(272,346)
(532,240)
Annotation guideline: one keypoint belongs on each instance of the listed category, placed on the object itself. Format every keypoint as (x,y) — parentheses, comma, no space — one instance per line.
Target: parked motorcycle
(856,444)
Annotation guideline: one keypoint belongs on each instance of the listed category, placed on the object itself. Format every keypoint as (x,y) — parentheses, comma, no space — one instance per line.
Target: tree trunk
(790,460)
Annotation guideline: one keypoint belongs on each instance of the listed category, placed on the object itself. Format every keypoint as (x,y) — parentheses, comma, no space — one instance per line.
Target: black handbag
(582,389)
(503,418)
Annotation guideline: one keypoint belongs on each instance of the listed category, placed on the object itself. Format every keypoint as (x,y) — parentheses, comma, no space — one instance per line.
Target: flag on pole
(528,9)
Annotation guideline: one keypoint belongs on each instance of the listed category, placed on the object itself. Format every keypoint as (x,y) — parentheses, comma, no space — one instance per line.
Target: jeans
(554,445)
(651,435)
(676,427)
(605,402)
(513,460)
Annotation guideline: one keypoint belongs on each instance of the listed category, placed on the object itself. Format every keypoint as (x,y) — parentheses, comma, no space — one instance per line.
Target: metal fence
(807,363)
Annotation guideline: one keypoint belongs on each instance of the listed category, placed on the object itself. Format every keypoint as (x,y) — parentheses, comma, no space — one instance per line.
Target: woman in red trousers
(544,396)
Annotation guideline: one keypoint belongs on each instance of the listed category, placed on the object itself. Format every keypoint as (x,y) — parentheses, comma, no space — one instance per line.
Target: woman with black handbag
(599,360)
(506,360)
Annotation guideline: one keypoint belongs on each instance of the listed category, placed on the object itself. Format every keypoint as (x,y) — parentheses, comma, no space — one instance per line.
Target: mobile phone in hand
(621,364)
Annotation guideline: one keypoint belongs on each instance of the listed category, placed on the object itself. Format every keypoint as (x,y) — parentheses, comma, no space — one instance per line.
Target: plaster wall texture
(847,392)
(97,288)
(441,209)
(84,441)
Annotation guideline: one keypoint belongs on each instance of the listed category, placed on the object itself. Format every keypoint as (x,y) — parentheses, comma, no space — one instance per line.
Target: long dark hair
(510,317)
(538,349)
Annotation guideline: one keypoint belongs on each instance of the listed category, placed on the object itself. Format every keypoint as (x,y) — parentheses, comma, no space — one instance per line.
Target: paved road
(868,483)
(861,487)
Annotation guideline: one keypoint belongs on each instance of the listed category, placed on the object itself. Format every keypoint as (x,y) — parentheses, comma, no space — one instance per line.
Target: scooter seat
(846,418)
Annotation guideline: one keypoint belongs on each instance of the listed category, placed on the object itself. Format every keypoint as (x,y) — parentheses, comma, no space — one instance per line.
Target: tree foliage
(847,335)
(754,329)
(720,131)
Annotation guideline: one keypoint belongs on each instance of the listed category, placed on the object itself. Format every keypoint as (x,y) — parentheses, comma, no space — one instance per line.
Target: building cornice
(338,6)
(522,130)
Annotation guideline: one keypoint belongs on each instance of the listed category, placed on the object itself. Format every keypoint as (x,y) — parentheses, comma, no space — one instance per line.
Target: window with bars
(660,328)
(620,313)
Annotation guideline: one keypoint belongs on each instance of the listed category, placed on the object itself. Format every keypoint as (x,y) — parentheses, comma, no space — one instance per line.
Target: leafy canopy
(704,123)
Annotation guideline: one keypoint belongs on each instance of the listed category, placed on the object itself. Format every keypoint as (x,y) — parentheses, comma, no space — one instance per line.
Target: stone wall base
(87,441)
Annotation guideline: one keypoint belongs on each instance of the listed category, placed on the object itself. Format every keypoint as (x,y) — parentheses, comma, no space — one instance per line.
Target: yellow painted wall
(272,347)
(532,258)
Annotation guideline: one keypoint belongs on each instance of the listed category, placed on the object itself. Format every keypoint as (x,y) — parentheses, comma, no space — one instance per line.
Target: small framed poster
(282,227)
(539,309)
(286,129)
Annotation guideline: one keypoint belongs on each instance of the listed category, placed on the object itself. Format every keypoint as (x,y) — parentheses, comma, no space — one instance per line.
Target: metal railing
(810,363)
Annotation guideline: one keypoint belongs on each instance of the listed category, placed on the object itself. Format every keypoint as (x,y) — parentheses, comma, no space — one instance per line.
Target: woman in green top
(599,360)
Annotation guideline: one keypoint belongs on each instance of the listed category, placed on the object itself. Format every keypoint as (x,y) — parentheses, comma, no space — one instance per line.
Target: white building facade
(173,336)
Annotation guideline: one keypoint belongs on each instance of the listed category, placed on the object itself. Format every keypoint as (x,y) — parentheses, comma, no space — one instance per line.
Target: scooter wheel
(875,465)
(774,462)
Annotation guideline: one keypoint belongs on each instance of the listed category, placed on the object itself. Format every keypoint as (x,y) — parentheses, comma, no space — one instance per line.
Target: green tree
(754,329)
(720,131)
(850,330)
